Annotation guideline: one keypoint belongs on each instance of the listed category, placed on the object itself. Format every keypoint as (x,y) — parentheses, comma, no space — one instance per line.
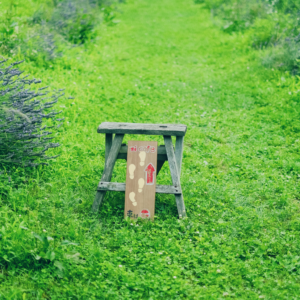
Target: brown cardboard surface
(141,180)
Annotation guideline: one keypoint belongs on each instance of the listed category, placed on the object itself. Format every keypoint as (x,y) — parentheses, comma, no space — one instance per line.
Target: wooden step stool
(114,149)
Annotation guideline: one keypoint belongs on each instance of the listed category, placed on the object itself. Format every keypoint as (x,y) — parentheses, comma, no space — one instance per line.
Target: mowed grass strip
(164,62)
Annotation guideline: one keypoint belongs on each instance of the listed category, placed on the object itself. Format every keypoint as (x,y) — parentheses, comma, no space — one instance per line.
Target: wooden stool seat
(139,128)
(114,149)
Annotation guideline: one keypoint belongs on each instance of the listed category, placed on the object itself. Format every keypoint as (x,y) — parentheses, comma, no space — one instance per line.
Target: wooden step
(120,187)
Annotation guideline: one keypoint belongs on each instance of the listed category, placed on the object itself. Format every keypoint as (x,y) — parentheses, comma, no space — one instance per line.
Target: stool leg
(179,152)
(98,200)
(109,166)
(180,205)
(108,144)
(178,157)
(174,173)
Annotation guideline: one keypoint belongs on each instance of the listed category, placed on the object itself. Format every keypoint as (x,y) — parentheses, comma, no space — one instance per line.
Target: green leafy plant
(264,24)
(52,24)
(8,35)
(284,56)
(74,20)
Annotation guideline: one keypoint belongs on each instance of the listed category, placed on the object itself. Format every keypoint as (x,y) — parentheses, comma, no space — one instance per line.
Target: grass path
(164,62)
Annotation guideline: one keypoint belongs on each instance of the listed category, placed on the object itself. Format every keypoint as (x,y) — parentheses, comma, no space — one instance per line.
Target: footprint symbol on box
(141,184)
(131,197)
(132,168)
(142,156)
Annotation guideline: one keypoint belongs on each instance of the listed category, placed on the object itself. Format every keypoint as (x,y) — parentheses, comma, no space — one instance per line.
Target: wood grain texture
(141,179)
(108,144)
(178,157)
(175,175)
(138,128)
(179,152)
(120,187)
(112,157)
(180,206)
(99,197)
(172,161)
(108,169)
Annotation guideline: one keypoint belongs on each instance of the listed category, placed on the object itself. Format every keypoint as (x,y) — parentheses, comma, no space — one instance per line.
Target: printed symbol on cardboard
(146,149)
(141,184)
(145,213)
(131,197)
(140,179)
(130,214)
(132,168)
(150,174)
(142,156)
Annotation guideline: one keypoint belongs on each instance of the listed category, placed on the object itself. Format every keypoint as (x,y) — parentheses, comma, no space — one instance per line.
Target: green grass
(164,62)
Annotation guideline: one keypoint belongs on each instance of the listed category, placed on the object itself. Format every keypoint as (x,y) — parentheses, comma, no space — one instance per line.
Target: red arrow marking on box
(150,174)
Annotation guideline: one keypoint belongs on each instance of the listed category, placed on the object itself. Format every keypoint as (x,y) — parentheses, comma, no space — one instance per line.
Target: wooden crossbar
(120,187)
(161,153)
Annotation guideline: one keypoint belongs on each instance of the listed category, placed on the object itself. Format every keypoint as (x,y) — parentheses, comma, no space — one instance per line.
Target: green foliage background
(162,62)
(262,24)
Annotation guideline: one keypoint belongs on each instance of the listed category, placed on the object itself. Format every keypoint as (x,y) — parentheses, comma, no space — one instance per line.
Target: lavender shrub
(24,136)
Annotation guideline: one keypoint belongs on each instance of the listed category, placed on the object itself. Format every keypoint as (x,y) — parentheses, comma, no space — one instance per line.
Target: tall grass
(266,24)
